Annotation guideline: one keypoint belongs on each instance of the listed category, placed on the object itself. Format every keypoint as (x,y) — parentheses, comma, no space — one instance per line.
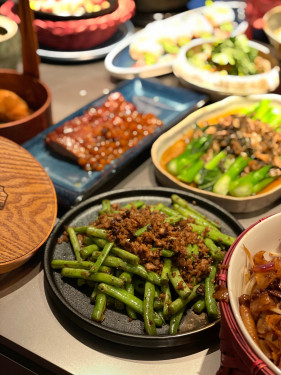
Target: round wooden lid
(28,205)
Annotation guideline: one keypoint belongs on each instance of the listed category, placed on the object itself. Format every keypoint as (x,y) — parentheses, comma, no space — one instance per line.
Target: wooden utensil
(30,59)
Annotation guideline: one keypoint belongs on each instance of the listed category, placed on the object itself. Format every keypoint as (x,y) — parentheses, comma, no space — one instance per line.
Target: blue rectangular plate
(71,182)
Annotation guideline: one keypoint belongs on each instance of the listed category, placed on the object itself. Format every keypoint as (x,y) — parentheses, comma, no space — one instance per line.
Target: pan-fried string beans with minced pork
(153,262)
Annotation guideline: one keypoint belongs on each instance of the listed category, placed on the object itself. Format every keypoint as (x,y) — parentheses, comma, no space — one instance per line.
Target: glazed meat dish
(102,134)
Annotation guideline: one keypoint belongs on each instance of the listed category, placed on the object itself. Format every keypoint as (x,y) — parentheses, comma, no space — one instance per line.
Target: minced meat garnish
(159,234)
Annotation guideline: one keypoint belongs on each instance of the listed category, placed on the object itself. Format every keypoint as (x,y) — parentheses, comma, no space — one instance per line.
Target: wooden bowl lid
(28,205)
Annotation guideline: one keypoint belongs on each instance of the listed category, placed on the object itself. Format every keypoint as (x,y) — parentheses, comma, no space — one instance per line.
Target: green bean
(176,305)
(167,299)
(199,306)
(96,232)
(140,231)
(158,301)
(85,264)
(166,253)
(215,235)
(215,251)
(87,250)
(198,220)
(131,313)
(98,276)
(87,241)
(166,270)
(158,318)
(101,258)
(94,293)
(123,254)
(122,295)
(210,301)
(100,305)
(142,272)
(105,206)
(136,204)
(100,242)
(82,229)
(126,276)
(175,322)
(178,283)
(74,242)
(148,310)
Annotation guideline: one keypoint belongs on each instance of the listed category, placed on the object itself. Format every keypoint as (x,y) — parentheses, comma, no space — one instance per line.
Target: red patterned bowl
(76,35)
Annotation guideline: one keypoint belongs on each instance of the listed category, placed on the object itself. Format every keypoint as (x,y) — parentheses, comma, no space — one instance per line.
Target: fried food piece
(12,107)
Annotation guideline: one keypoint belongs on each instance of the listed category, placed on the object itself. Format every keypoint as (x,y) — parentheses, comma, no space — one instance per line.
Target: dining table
(35,336)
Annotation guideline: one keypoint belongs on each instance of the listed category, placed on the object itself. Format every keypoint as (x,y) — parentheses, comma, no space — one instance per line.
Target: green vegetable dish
(232,56)
(151,262)
(237,154)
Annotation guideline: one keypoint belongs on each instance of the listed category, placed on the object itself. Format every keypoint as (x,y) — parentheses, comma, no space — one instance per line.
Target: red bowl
(76,35)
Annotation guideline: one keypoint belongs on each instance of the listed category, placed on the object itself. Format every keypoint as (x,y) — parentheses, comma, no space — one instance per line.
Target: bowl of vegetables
(227,152)
(234,66)
(252,278)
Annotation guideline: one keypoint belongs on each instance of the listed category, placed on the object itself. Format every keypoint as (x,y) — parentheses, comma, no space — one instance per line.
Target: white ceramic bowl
(10,43)
(169,138)
(217,85)
(263,235)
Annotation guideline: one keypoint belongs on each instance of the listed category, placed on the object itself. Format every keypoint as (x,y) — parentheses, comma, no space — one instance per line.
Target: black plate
(75,304)
(57,17)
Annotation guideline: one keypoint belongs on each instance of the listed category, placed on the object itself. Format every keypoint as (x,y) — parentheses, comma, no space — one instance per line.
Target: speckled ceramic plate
(75,304)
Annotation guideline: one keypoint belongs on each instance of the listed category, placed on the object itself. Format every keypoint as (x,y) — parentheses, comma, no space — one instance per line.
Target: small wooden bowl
(28,205)
(38,97)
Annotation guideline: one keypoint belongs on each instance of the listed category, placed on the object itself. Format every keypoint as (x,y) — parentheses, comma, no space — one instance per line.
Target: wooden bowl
(175,134)
(28,205)
(38,97)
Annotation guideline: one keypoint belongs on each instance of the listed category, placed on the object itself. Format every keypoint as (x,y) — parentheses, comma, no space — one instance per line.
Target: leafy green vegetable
(232,55)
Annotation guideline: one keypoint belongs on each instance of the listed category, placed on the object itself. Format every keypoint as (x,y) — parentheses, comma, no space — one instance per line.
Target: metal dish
(232,204)
(75,304)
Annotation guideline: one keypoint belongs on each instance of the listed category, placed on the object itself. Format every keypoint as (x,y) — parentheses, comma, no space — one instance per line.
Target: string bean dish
(237,154)
(260,303)
(151,262)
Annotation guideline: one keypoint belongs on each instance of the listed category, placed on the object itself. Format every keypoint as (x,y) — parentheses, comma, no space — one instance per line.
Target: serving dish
(72,183)
(64,14)
(10,43)
(124,31)
(218,85)
(75,35)
(262,235)
(166,140)
(75,304)
(28,205)
(271,26)
(121,65)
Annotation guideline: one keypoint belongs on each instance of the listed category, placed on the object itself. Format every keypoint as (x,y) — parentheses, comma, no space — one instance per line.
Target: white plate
(119,63)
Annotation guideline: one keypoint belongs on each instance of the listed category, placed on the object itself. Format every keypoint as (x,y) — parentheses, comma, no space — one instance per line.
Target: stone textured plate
(74,303)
